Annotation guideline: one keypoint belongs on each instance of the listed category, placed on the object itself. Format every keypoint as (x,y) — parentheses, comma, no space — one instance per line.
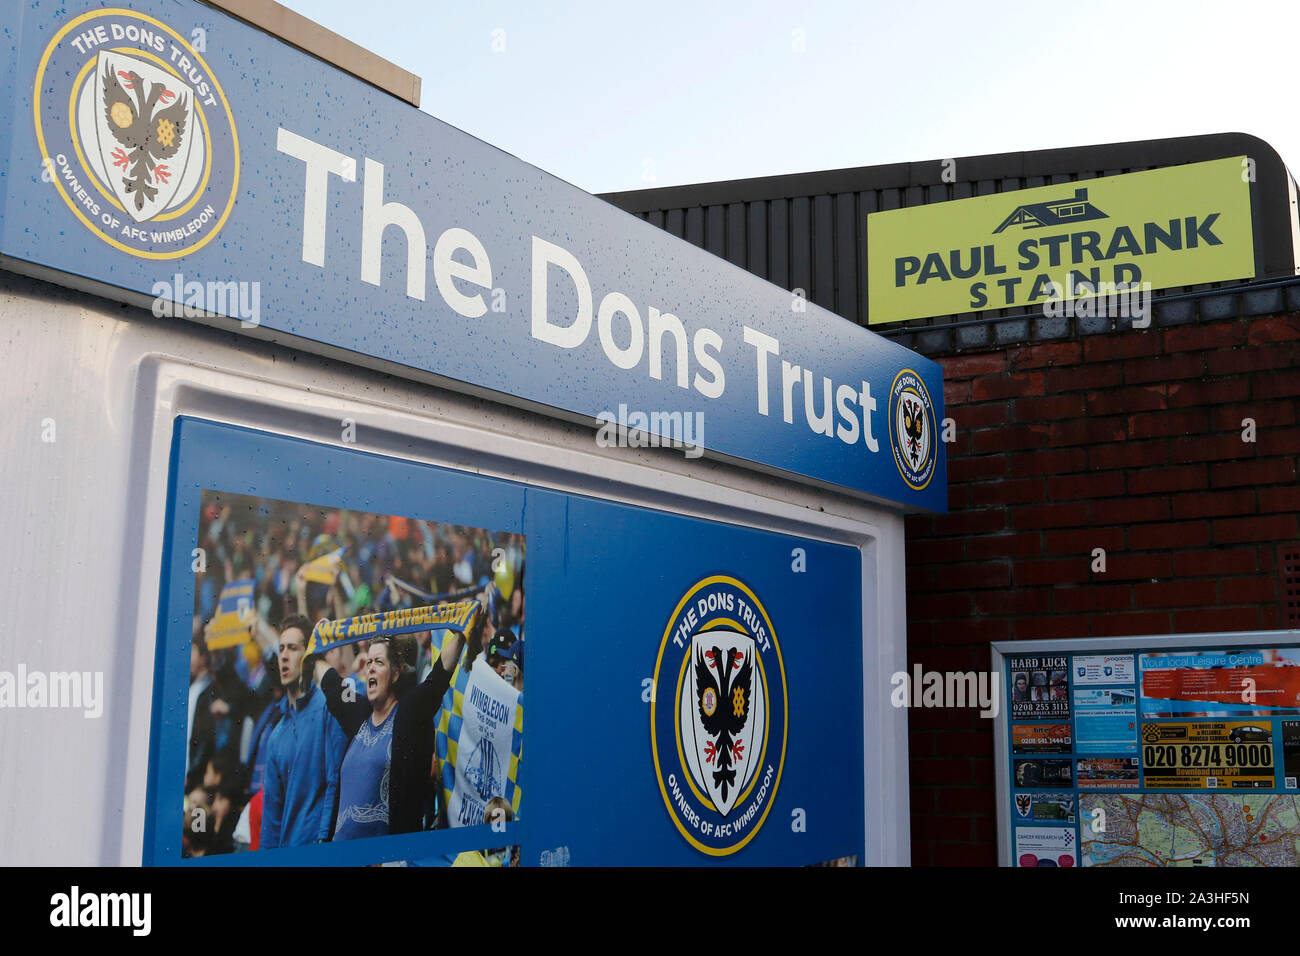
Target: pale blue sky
(613,96)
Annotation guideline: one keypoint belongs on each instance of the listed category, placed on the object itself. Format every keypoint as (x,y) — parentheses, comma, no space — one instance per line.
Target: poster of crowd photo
(352,675)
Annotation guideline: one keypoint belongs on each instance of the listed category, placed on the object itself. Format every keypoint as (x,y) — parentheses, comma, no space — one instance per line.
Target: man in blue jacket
(305,752)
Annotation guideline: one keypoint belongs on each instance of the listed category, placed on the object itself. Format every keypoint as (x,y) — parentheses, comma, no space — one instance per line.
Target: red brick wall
(1128,441)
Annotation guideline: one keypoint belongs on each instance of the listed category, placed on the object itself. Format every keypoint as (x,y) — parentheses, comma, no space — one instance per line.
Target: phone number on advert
(1210,756)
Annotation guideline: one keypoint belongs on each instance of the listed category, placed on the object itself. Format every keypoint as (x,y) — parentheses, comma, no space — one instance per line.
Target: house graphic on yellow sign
(1054,212)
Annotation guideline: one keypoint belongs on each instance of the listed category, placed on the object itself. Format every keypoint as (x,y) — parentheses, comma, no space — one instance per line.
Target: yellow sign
(1044,247)
(1208,755)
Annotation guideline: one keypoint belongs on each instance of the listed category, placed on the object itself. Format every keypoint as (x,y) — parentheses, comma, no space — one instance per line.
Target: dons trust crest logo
(136,134)
(718,737)
(911,429)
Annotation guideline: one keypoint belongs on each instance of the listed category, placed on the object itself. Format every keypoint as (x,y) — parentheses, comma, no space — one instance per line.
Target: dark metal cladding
(809,230)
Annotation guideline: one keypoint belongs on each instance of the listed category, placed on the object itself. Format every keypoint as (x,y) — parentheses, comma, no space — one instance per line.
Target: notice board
(1153,751)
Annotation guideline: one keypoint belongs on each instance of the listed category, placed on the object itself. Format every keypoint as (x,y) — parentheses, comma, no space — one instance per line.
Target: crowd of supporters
(268,728)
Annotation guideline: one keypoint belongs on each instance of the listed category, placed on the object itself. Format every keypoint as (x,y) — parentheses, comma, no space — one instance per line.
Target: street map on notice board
(1183,758)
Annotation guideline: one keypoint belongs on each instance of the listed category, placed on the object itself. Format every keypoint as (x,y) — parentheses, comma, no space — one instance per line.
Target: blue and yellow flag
(230,625)
(325,569)
(492,768)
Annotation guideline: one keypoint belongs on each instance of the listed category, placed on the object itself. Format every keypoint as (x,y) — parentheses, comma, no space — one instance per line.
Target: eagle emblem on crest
(913,429)
(723,700)
(144,128)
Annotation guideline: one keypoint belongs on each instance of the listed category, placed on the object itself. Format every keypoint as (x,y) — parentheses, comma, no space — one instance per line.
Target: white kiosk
(275,336)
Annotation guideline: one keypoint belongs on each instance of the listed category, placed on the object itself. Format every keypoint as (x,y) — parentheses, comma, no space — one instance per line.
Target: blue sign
(171,151)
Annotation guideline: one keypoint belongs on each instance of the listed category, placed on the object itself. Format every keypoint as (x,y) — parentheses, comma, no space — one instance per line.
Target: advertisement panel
(1207,755)
(1102,669)
(1040,688)
(1045,806)
(1040,738)
(681,673)
(1174,226)
(1105,720)
(1250,682)
(1108,773)
(1043,773)
(1046,846)
(1291,752)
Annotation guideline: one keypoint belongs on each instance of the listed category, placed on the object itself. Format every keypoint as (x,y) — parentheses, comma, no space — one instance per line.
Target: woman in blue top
(365,779)
(384,778)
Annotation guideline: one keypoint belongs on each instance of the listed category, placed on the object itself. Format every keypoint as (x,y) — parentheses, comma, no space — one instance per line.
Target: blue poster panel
(742,737)
(343,645)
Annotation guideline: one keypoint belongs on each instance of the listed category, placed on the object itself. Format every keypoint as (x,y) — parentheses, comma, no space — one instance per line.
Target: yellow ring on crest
(69,27)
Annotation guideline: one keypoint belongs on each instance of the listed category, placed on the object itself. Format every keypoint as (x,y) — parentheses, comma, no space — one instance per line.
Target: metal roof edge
(1045,162)
(324,44)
